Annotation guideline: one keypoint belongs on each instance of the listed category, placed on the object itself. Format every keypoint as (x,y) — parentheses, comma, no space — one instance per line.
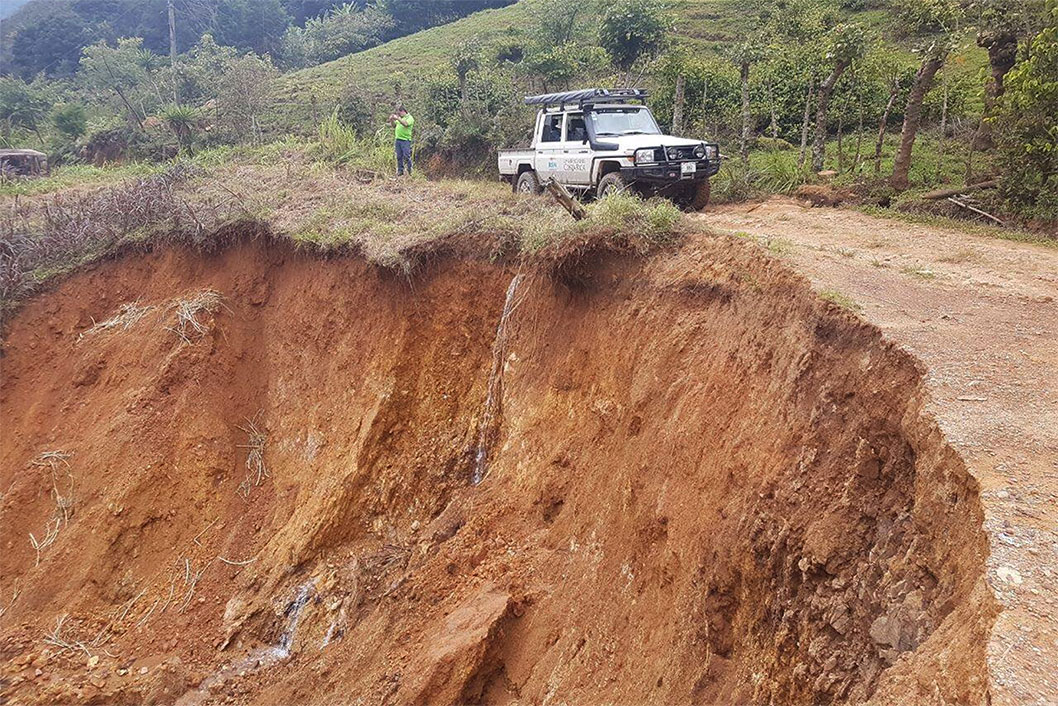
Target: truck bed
(509,159)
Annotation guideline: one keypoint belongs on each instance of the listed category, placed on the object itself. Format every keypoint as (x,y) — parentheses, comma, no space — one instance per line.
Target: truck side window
(552,131)
(575,129)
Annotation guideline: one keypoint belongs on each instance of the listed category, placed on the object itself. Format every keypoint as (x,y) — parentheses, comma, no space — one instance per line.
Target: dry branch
(978,211)
(187,311)
(565,199)
(256,471)
(15,592)
(128,314)
(50,533)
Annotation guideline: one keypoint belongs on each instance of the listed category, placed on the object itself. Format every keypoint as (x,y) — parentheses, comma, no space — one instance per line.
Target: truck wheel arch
(604,167)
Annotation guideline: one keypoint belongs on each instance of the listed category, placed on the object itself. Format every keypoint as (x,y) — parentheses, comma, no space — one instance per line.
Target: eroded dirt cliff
(249,478)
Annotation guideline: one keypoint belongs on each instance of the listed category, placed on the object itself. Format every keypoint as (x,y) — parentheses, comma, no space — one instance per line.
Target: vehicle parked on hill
(23,163)
(595,141)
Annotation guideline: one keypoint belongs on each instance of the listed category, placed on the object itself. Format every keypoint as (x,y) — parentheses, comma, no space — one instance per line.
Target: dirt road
(981,313)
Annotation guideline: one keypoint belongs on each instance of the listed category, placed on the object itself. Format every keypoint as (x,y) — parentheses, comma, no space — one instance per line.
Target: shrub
(70,120)
(633,29)
(1025,130)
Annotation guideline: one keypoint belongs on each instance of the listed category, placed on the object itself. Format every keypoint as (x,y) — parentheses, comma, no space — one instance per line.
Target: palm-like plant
(182,120)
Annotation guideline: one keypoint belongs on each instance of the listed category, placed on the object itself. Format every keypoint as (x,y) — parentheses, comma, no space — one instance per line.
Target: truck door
(576,153)
(549,147)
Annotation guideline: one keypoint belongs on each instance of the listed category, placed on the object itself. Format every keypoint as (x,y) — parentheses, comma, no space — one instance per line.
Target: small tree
(632,30)
(70,120)
(244,94)
(744,55)
(466,58)
(181,120)
(922,17)
(1025,129)
(22,105)
(847,43)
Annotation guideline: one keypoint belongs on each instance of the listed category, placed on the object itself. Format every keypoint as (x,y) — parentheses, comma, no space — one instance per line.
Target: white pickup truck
(596,141)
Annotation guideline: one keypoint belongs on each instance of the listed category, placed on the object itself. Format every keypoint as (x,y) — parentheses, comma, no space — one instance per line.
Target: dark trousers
(403,150)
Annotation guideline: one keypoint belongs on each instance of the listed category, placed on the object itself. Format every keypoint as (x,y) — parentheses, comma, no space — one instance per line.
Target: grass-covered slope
(382,72)
(388,72)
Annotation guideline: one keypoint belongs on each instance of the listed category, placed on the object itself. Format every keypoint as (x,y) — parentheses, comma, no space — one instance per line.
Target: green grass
(1013,234)
(919,272)
(387,71)
(842,300)
(393,223)
(78,175)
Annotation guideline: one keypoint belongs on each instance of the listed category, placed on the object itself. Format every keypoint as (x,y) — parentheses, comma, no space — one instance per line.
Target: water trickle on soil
(494,389)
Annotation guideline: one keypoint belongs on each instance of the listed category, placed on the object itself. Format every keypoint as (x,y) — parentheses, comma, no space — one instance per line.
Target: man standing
(402,122)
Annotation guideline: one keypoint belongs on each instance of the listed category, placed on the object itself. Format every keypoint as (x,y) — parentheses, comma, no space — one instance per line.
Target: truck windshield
(633,120)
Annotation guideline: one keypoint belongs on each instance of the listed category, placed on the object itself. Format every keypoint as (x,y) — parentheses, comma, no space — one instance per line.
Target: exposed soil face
(982,316)
(703,485)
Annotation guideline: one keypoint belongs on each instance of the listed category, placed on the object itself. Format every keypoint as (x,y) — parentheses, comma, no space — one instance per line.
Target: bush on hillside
(1025,129)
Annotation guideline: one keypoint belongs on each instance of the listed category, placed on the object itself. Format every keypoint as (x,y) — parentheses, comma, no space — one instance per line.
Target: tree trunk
(133,117)
(804,126)
(841,148)
(819,146)
(1002,55)
(893,93)
(705,110)
(172,48)
(747,116)
(677,106)
(859,140)
(913,117)
(943,132)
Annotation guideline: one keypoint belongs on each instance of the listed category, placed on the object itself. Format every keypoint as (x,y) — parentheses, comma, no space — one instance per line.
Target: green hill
(705,27)
(379,71)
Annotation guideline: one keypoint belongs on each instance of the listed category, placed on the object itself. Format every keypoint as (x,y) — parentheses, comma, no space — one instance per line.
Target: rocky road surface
(982,314)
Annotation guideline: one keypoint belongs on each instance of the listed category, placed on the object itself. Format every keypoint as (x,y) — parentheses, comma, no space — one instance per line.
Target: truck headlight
(712,152)
(645,156)
(673,154)
(699,151)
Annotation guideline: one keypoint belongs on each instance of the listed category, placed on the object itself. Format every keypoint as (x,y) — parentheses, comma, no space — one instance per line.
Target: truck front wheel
(612,183)
(527,183)
(701,196)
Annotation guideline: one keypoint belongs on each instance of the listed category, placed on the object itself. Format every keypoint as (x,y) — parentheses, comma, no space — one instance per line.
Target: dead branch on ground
(256,471)
(56,638)
(15,593)
(978,211)
(50,534)
(128,314)
(187,311)
(565,199)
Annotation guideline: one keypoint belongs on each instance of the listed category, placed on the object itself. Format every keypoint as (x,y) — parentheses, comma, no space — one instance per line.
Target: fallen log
(566,199)
(945,193)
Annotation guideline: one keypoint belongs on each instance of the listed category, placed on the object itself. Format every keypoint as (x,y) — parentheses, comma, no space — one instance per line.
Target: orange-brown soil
(704,485)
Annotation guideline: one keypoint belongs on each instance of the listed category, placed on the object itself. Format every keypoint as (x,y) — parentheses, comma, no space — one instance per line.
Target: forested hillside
(47,36)
(885,98)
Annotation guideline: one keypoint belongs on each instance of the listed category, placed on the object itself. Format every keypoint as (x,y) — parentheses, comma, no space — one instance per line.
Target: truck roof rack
(588,96)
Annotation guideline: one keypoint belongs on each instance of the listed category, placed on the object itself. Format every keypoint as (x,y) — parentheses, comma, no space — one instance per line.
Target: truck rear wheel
(701,196)
(612,183)
(528,183)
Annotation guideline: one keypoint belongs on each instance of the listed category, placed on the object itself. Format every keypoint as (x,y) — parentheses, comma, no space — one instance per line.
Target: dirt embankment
(702,484)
